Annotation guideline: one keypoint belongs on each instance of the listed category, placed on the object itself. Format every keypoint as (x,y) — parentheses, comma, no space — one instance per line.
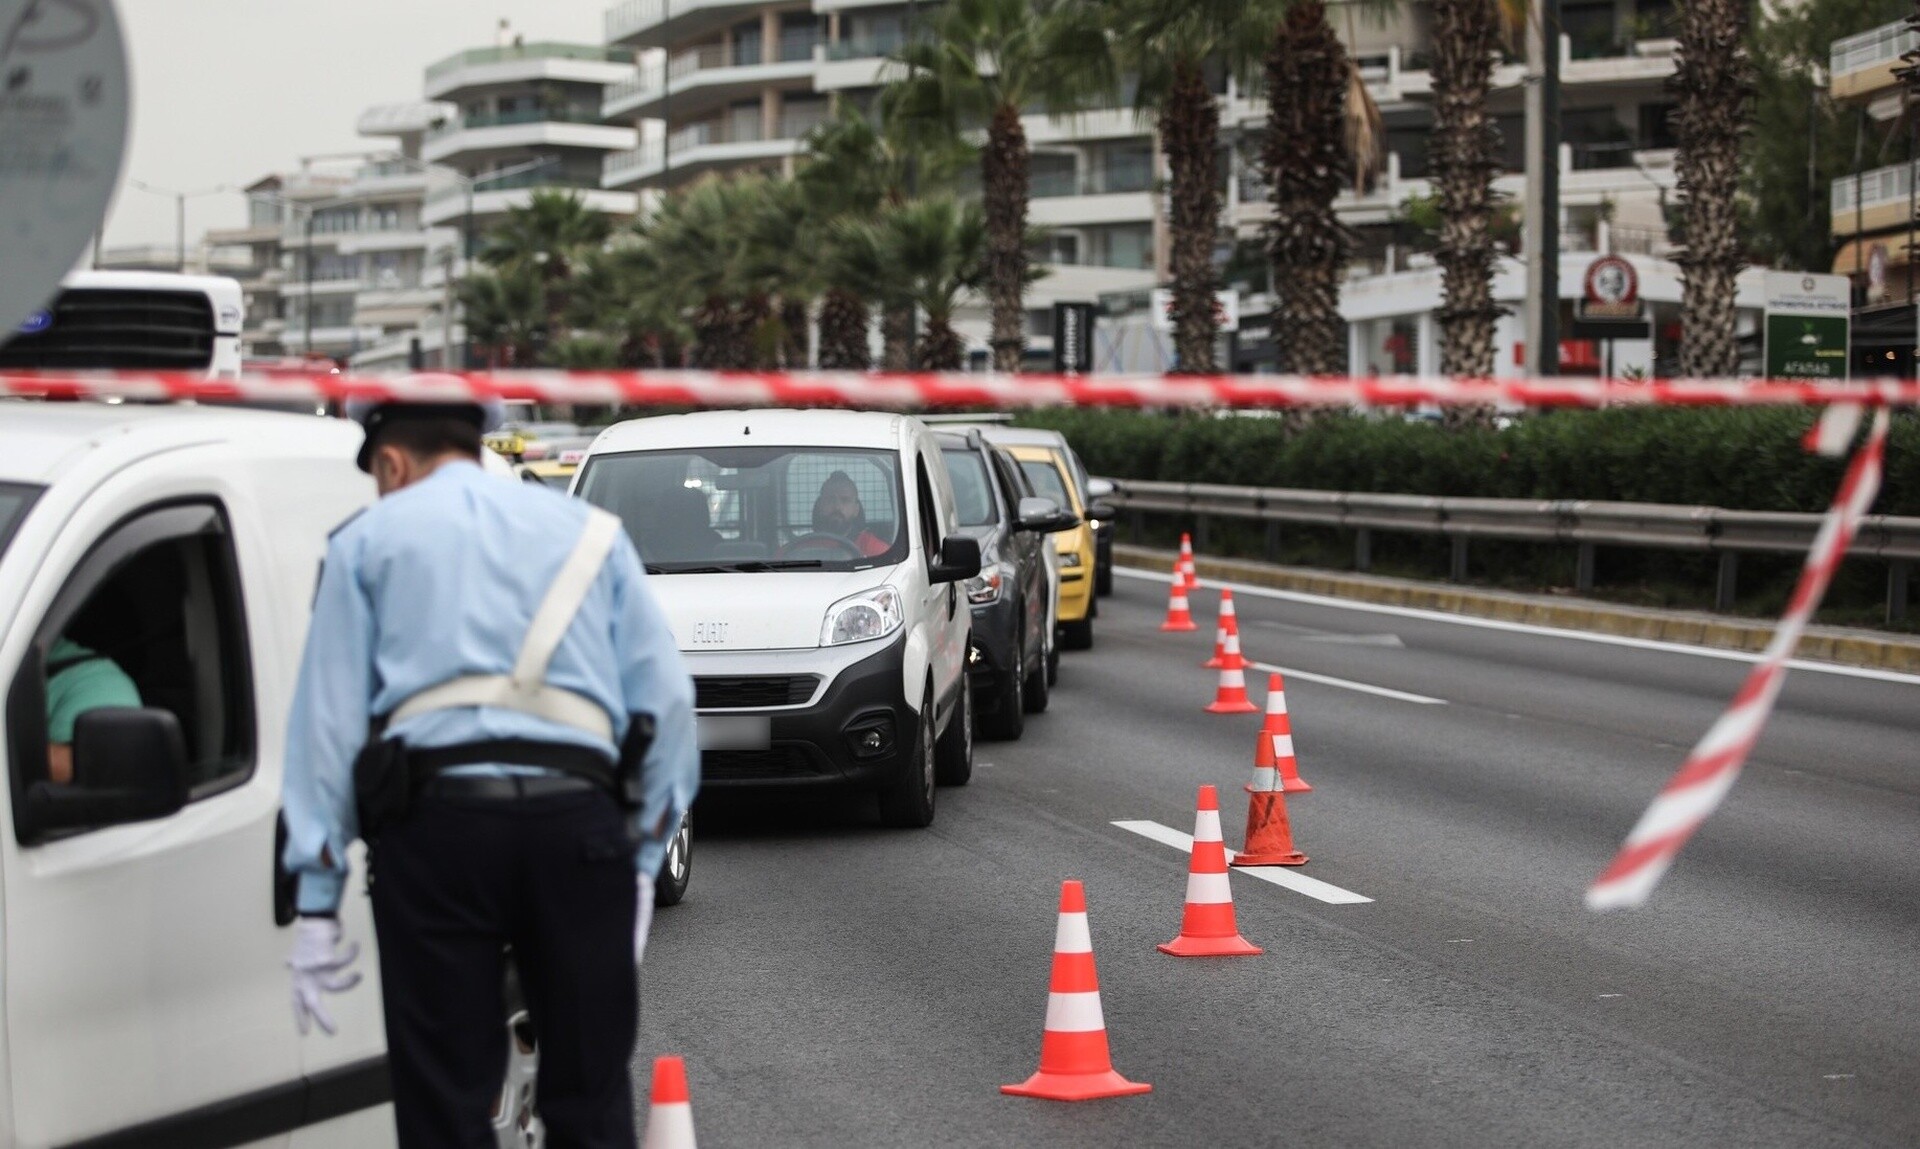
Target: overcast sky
(225,91)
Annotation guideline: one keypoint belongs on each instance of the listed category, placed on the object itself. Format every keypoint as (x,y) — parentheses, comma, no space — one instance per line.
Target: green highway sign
(1807,327)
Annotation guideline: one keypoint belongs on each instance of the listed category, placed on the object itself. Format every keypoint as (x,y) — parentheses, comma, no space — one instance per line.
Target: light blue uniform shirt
(438,581)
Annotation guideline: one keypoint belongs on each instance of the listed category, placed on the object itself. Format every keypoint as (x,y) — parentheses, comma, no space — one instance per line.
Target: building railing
(1111,180)
(1586,524)
(1881,45)
(1871,189)
(564,114)
(546,50)
(558,181)
(624,19)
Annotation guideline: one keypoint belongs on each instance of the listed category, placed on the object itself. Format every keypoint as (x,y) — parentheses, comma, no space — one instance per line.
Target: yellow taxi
(1055,472)
(556,472)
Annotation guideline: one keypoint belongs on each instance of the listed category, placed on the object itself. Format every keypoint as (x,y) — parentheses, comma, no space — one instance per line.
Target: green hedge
(1746,459)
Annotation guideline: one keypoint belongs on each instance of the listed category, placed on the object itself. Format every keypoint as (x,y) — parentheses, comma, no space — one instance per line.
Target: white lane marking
(1349,684)
(1330,637)
(1293,880)
(1548,631)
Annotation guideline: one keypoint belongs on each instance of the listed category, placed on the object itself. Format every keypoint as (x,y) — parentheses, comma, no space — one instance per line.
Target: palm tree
(989,61)
(695,242)
(860,264)
(1169,45)
(1713,78)
(945,250)
(1323,133)
(504,313)
(1463,151)
(546,238)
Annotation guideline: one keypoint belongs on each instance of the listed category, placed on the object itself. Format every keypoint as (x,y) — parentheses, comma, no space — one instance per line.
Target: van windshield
(714,509)
(14,500)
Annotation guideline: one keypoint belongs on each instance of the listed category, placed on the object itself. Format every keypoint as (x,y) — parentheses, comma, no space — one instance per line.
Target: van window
(152,617)
(15,498)
(929,517)
(754,508)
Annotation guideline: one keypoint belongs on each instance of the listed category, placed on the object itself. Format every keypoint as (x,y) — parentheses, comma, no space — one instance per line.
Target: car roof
(881,430)
(1021,436)
(40,440)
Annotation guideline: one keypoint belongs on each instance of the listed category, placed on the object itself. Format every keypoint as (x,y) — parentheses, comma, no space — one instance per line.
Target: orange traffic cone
(1179,616)
(1185,563)
(1074,1062)
(1281,727)
(670,1120)
(1229,625)
(1207,928)
(1231,697)
(1269,833)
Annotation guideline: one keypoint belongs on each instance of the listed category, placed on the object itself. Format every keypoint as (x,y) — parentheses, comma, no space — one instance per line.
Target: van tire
(676,870)
(953,754)
(1033,692)
(1008,719)
(1077,635)
(907,801)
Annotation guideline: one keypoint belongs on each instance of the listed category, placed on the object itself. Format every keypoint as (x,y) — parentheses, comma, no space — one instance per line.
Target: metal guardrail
(1583,523)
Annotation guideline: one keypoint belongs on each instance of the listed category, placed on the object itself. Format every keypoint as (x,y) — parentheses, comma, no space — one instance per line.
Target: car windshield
(1046,480)
(972,497)
(715,509)
(14,500)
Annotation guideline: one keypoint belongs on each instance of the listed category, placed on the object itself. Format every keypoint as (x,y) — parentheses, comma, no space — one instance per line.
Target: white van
(144,943)
(810,564)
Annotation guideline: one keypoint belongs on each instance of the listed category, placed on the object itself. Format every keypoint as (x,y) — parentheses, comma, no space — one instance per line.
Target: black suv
(1012,597)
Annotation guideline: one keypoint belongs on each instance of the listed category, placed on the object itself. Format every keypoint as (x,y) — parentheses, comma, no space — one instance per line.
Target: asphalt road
(831,983)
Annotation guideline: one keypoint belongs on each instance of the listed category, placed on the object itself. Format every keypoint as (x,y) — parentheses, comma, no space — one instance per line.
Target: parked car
(1056,473)
(810,564)
(1013,639)
(1099,490)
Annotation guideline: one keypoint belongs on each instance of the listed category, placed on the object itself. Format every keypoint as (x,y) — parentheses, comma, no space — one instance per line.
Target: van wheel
(677,870)
(1053,661)
(953,755)
(907,802)
(1009,719)
(1077,635)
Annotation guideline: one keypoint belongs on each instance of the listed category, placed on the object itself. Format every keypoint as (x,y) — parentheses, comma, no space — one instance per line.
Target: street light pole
(180,199)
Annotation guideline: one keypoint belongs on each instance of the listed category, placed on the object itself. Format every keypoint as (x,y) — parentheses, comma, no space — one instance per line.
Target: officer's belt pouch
(382,785)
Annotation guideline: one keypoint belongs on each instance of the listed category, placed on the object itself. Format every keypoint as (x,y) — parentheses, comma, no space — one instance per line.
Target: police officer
(484,661)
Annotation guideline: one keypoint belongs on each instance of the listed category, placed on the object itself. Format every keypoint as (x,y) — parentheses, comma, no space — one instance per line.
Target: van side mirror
(129,765)
(959,559)
(1099,488)
(1044,515)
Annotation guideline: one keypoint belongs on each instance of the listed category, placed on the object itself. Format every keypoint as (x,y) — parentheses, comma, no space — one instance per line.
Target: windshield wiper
(758,566)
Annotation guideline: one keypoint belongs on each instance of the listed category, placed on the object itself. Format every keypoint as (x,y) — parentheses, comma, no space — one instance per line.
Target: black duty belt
(577,763)
(508,787)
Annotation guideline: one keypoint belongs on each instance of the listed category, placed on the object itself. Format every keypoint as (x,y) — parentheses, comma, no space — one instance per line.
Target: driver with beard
(838,511)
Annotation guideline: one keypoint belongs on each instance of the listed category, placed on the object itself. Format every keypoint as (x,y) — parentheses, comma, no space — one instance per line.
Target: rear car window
(972,497)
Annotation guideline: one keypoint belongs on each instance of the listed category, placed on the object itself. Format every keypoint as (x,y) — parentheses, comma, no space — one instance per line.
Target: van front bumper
(846,722)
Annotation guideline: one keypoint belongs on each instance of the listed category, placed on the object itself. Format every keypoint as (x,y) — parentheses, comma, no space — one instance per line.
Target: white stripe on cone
(1208,889)
(1266,778)
(669,1126)
(1233,643)
(1206,826)
(1283,745)
(1075,1012)
(1071,936)
(1233,678)
(1277,702)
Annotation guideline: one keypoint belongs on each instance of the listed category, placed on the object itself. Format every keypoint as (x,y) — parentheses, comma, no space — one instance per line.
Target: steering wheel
(812,539)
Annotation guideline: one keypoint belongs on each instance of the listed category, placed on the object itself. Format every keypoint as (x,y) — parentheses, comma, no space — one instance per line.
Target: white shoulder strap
(525,689)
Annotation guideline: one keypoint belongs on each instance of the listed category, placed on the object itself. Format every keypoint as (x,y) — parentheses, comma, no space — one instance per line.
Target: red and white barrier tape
(1711,769)
(908,392)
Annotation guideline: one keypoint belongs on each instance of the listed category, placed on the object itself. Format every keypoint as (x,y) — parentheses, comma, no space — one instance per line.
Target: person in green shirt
(78,680)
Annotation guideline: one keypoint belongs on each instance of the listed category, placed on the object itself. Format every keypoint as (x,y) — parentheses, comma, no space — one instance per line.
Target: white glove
(642,916)
(319,966)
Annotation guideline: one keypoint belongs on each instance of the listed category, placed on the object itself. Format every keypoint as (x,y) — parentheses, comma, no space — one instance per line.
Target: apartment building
(525,116)
(263,261)
(1873,212)
(402,271)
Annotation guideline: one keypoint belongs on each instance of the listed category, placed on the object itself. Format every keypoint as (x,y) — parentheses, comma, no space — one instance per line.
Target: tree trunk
(1004,186)
(1713,80)
(896,338)
(714,326)
(1190,133)
(1466,34)
(1307,163)
(939,348)
(758,345)
(843,332)
(793,329)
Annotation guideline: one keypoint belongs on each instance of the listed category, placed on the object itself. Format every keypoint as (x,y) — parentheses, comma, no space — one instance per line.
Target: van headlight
(1070,558)
(984,588)
(863,617)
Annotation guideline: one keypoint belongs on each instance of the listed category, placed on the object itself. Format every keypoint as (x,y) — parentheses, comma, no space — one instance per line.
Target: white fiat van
(809,565)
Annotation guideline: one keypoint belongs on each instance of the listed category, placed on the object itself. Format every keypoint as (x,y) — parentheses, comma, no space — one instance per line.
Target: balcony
(493,198)
(1879,200)
(482,67)
(700,148)
(701,79)
(1862,66)
(565,126)
(656,23)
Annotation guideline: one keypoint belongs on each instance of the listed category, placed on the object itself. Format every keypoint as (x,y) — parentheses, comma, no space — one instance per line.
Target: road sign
(1073,338)
(63,129)
(1226,310)
(1807,325)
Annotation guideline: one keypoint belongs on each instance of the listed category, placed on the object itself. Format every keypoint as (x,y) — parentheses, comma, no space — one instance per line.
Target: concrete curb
(1825,644)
